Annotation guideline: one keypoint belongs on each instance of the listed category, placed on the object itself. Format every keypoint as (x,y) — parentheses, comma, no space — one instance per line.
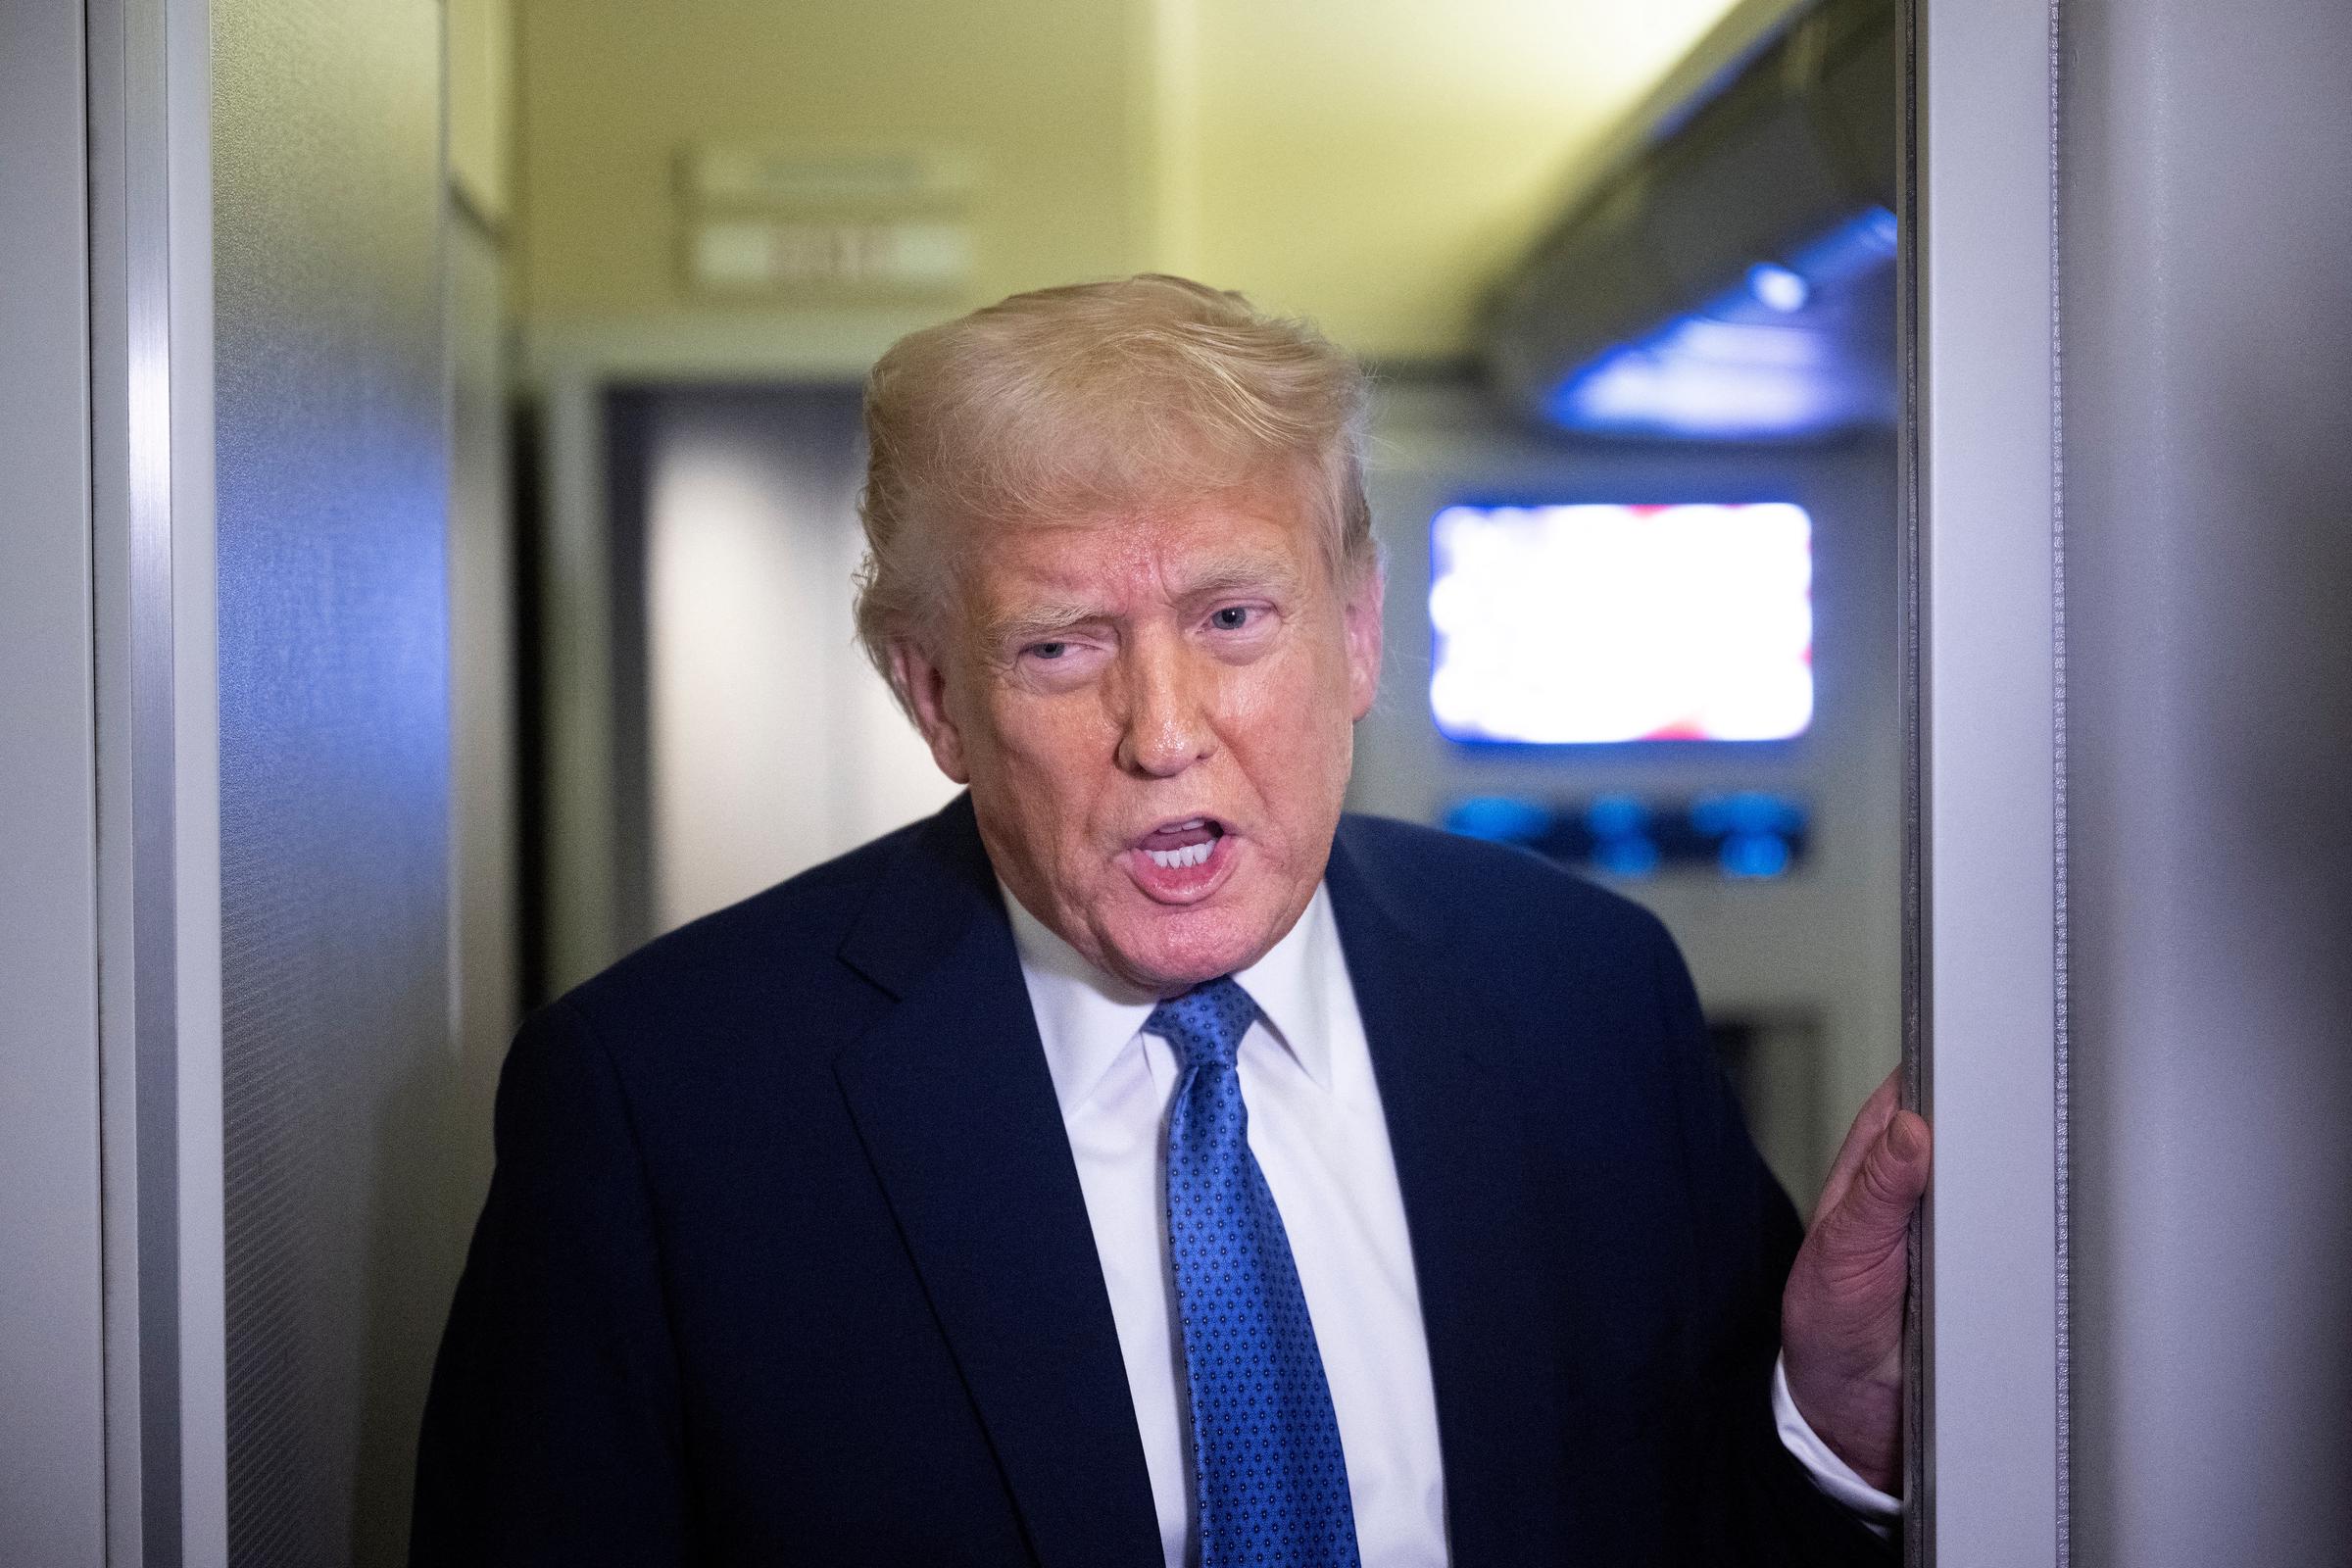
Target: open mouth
(1174,846)
(1181,862)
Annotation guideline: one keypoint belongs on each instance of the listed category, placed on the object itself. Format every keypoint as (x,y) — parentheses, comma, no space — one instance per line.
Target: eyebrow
(1264,575)
(1039,622)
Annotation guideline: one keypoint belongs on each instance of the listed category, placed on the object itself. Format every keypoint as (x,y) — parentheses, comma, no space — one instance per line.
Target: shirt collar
(1087,1019)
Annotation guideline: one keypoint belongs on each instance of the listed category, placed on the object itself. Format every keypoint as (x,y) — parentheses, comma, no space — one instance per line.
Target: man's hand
(1841,1315)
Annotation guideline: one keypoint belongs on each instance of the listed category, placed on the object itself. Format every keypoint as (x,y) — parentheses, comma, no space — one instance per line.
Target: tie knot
(1206,1023)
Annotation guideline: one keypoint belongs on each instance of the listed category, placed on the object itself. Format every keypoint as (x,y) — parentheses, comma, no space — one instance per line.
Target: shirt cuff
(1875,1508)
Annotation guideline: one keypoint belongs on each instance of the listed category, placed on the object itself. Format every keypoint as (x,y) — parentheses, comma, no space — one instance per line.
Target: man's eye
(1049,650)
(1232,618)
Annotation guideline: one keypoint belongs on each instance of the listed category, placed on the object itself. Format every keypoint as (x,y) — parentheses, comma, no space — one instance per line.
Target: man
(1138,1162)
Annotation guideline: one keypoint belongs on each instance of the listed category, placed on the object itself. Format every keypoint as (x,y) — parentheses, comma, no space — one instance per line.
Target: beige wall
(611,92)
(1374,163)
(1371,163)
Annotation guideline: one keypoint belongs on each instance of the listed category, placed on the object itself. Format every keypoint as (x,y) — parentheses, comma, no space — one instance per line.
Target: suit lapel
(952,1097)
(1460,1148)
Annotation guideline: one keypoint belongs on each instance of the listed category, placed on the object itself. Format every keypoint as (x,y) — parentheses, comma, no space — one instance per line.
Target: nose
(1166,727)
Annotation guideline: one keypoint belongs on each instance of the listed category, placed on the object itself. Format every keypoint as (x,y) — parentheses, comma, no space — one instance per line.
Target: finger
(1870,1124)
(1872,1216)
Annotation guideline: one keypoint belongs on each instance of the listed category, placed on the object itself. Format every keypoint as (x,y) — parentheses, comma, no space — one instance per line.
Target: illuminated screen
(1595,623)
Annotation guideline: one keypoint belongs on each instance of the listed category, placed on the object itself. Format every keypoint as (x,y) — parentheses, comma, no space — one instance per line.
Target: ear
(1360,615)
(923,684)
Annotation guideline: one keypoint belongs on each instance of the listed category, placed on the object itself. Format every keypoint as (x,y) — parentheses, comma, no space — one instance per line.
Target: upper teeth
(1190,855)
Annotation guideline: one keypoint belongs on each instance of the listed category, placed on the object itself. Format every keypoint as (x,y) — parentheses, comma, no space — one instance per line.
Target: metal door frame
(157,777)
(1983,678)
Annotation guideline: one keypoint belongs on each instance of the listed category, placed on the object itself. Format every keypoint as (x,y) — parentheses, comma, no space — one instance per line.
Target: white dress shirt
(1318,1134)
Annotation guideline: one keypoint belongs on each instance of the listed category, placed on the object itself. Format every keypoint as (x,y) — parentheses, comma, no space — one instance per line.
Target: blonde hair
(1075,401)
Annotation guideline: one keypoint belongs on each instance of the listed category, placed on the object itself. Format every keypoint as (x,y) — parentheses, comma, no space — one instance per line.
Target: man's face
(1154,712)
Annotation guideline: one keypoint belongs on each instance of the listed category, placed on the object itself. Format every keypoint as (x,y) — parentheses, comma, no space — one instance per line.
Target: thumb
(1872,1217)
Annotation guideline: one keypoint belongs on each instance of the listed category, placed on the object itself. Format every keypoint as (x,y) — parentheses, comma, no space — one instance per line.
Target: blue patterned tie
(1270,1478)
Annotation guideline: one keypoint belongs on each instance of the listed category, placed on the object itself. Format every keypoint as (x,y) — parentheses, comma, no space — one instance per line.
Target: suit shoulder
(786,934)
(1487,894)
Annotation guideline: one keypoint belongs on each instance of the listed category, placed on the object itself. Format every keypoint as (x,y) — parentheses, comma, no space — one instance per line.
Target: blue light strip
(1747,365)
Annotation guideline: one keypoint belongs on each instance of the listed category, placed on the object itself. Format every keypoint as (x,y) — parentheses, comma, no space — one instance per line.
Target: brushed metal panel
(340,1084)
(2208,482)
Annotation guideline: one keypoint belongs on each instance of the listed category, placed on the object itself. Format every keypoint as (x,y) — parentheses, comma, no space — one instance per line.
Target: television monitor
(1563,625)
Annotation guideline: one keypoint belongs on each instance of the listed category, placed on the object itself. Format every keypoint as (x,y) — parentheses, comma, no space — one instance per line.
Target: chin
(1168,951)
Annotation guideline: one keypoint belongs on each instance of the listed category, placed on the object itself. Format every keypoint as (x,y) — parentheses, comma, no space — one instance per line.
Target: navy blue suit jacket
(786,1259)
